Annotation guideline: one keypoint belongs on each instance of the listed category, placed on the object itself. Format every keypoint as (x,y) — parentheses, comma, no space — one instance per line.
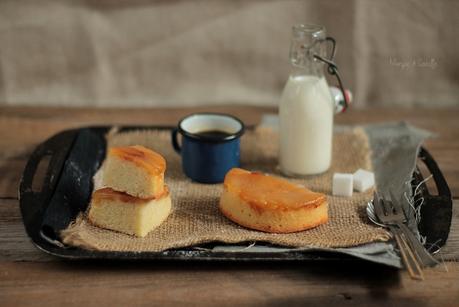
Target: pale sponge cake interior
(135,170)
(271,204)
(121,212)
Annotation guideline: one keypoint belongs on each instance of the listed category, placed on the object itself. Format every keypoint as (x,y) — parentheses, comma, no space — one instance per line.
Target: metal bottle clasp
(332,69)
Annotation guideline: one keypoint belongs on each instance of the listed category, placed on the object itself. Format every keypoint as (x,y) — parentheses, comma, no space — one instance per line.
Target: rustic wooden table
(31,277)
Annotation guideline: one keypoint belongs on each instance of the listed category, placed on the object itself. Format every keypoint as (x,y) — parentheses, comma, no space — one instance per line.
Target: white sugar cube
(342,184)
(363,180)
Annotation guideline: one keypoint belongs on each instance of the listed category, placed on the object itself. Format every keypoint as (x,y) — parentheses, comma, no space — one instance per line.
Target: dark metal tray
(57,183)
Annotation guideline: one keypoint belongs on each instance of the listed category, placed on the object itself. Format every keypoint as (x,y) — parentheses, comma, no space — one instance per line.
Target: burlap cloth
(196,218)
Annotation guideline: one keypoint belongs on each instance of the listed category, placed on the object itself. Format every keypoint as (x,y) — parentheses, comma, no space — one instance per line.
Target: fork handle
(423,255)
(408,257)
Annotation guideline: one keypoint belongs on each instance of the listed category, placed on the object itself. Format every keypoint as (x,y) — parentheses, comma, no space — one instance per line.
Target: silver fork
(422,254)
(408,256)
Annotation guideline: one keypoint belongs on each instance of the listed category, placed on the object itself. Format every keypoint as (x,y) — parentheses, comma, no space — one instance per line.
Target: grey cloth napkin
(395,148)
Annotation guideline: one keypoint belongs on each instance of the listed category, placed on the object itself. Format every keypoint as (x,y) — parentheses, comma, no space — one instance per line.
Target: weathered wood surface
(30,277)
(221,284)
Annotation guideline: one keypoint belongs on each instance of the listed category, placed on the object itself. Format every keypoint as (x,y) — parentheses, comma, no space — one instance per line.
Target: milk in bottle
(306,108)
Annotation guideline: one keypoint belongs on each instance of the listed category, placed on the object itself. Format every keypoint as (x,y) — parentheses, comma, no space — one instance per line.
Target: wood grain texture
(28,276)
(222,284)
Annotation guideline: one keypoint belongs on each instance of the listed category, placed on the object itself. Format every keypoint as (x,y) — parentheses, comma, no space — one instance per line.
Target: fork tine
(395,204)
(375,197)
(377,206)
(388,205)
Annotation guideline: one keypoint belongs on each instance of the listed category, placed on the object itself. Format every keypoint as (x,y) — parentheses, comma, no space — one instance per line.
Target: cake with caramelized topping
(135,170)
(121,212)
(258,201)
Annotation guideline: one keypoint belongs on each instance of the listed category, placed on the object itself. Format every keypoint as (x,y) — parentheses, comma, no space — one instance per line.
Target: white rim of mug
(231,135)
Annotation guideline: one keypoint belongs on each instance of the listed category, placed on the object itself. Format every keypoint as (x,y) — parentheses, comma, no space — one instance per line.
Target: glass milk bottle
(306,107)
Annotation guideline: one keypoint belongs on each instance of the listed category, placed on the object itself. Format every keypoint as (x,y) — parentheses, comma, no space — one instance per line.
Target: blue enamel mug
(210,145)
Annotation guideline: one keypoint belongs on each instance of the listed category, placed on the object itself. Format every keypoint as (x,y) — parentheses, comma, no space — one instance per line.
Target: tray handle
(438,208)
(33,203)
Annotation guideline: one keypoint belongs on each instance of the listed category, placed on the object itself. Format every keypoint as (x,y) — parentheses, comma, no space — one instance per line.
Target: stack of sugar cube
(344,184)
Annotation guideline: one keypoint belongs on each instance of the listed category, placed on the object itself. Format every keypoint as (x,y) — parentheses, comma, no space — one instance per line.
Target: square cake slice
(119,211)
(135,170)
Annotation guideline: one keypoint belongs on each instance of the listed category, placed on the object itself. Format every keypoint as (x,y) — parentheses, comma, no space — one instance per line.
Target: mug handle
(175,142)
